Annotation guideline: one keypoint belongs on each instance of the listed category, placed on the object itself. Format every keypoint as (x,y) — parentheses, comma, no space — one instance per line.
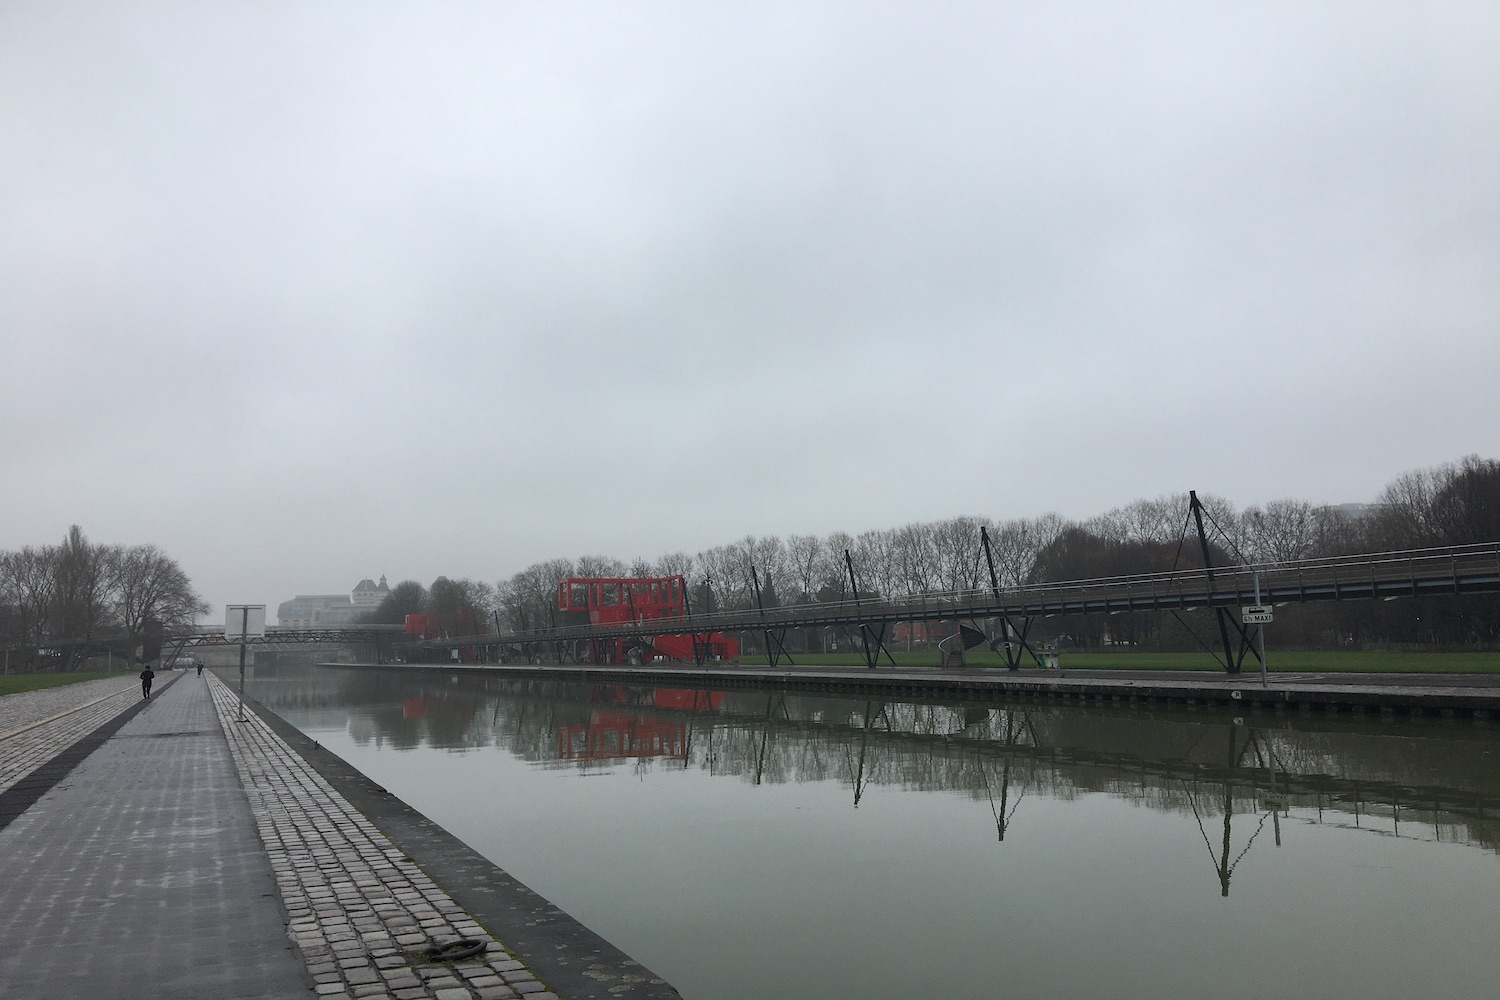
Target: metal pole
(1230,666)
(244,629)
(1275,799)
(1260,635)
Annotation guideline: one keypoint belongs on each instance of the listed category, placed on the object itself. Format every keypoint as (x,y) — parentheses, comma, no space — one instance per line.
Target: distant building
(1355,511)
(332,610)
(368,594)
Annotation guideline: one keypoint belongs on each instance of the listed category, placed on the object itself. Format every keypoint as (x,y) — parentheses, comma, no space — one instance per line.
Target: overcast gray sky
(308,292)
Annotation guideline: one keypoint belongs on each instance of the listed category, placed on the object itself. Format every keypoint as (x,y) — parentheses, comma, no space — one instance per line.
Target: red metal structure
(612,600)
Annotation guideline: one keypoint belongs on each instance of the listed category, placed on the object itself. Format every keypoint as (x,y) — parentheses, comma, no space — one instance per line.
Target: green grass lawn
(15,683)
(1329,662)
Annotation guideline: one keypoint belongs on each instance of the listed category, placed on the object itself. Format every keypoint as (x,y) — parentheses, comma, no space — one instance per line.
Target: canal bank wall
(1448,695)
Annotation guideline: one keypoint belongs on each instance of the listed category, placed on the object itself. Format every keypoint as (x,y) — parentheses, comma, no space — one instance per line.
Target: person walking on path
(200,668)
(146,677)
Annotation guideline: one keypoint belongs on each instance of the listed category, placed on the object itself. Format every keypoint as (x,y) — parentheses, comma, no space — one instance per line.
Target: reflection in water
(752,843)
(1427,779)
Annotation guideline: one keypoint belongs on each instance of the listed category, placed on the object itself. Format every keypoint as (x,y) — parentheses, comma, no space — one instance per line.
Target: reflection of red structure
(616,735)
(614,600)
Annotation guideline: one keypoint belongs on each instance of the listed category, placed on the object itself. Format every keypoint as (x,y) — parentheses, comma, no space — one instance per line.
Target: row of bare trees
(1448,504)
(63,602)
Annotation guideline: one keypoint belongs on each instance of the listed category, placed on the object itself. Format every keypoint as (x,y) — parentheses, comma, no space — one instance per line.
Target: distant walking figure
(146,677)
(200,668)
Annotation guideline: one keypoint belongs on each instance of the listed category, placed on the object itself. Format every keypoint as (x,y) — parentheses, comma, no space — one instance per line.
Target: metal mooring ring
(455,951)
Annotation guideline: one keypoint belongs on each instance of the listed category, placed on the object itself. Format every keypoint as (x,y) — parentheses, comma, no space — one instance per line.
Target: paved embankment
(359,909)
(1462,694)
(573,960)
(196,855)
(140,875)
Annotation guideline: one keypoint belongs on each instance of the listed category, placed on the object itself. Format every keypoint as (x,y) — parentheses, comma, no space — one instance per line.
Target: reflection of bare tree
(856,768)
(1413,779)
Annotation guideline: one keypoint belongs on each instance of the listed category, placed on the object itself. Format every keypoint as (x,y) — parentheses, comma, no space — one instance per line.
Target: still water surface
(751,844)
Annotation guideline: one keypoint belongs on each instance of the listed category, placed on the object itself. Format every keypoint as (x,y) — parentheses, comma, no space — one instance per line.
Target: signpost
(1259,615)
(241,622)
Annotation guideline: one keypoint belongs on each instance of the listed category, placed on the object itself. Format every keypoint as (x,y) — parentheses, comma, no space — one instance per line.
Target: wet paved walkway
(28,707)
(140,874)
(360,909)
(195,856)
(35,725)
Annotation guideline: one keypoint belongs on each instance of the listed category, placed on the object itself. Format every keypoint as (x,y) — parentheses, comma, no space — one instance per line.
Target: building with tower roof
(332,610)
(368,594)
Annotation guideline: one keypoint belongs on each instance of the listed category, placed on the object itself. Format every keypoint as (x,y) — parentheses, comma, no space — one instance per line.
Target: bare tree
(28,579)
(1404,511)
(1019,543)
(724,571)
(956,546)
(875,564)
(529,598)
(149,586)
(406,598)
(834,585)
(917,558)
(1466,507)
(1282,531)
(81,597)
(803,553)
(674,564)
(768,555)
(603,567)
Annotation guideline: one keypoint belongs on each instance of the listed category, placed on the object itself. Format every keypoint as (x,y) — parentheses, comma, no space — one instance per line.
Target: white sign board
(1255,614)
(244,620)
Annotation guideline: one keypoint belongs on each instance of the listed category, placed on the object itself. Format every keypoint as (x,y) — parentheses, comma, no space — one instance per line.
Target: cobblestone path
(138,874)
(360,911)
(36,726)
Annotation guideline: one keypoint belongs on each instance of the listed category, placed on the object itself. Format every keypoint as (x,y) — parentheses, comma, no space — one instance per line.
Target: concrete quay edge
(574,961)
(1438,694)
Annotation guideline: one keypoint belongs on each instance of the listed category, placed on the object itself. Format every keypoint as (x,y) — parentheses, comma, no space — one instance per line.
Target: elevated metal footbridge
(1433,572)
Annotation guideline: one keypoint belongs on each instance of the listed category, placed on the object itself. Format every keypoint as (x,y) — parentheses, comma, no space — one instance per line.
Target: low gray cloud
(304,293)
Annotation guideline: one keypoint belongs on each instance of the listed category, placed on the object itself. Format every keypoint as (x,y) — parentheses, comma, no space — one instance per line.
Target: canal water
(757,843)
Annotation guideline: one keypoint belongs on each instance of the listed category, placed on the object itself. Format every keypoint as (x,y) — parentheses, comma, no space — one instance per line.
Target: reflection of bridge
(1439,572)
(1000,755)
(1429,781)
